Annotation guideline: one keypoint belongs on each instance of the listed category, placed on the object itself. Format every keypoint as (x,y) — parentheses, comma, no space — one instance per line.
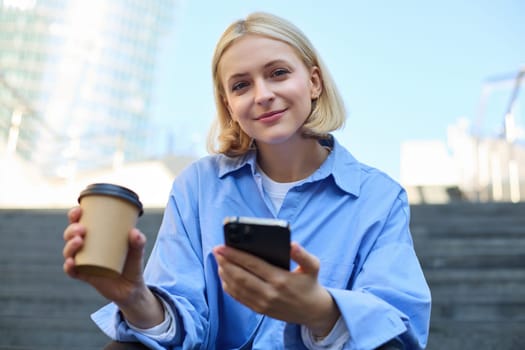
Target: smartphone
(268,239)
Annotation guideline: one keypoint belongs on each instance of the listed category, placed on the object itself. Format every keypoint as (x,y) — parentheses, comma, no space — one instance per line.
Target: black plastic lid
(113,190)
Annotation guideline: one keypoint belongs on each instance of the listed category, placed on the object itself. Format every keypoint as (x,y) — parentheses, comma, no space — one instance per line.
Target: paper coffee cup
(109,212)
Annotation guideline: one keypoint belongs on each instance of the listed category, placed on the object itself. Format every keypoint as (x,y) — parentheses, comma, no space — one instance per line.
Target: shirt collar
(340,164)
(231,164)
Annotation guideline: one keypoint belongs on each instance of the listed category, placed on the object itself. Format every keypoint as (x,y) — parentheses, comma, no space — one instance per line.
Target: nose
(263,92)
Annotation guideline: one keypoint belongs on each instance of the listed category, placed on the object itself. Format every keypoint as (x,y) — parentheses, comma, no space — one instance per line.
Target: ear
(316,83)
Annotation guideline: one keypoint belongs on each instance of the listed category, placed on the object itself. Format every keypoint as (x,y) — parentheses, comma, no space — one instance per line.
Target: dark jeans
(115,345)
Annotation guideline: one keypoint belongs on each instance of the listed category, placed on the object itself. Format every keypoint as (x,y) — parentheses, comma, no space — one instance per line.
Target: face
(268,89)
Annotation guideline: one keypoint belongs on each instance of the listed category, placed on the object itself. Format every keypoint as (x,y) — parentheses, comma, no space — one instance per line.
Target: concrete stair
(473,256)
(41,307)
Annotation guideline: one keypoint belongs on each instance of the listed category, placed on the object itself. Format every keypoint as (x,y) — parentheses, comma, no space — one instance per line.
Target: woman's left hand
(291,296)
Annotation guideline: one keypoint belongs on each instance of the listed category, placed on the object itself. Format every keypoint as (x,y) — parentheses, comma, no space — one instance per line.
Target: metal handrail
(508,136)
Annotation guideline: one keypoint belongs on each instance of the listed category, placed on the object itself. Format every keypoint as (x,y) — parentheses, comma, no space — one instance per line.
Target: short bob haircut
(328,112)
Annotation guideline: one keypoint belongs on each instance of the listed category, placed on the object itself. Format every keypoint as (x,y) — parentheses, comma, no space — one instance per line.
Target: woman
(355,281)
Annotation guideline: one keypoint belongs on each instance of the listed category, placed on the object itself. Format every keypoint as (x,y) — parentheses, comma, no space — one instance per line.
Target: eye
(280,72)
(239,85)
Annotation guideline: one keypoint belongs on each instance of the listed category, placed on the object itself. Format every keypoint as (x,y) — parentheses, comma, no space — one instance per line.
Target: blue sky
(405,69)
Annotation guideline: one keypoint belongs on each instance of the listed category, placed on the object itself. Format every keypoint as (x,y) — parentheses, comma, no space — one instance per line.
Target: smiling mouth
(271,115)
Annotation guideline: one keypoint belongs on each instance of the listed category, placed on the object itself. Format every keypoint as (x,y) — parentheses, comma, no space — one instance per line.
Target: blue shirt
(354,218)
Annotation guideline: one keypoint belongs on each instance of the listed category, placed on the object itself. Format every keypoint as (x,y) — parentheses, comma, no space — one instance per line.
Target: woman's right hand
(123,289)
(129,291)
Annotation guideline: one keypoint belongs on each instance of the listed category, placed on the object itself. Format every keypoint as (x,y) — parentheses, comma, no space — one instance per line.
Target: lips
(271,116)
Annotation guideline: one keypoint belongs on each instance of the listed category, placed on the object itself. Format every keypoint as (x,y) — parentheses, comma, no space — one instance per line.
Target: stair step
(495,246)
(475,261)
(482,335)
(495,209)
(469,281)
(468,230)
(473,257)
(488,311)
(36,332)
(467,275)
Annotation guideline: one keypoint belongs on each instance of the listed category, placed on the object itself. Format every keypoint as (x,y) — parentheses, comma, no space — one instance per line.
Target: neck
(292,161)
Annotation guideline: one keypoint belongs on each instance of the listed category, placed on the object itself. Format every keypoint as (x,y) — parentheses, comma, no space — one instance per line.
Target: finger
(239,283)
(307,262)
(70,270)
(137,243)
(74,214)
(73,230)
(249,262)
(229,272)
(69,267)
(236,275)
(72,246)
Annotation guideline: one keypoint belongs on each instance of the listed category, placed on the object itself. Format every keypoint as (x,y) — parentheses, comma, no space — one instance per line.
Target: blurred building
(465,168)
(76,80)
(473,165)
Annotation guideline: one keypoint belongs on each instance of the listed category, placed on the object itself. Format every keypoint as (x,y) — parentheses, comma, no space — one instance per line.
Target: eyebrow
(269,64)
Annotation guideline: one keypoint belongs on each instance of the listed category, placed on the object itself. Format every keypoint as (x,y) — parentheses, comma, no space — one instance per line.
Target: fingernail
(219,250)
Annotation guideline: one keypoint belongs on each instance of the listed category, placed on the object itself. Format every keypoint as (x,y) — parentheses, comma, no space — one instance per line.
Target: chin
(276,136)
(276,140)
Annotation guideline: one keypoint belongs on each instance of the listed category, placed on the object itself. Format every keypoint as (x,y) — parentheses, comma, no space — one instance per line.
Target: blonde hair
(328,112)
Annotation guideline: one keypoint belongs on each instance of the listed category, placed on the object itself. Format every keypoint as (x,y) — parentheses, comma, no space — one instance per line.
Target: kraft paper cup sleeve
(109,212)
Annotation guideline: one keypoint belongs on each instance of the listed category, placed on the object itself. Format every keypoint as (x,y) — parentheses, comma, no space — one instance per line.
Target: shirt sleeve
(389,296)
(335,340)
(386,296)
(162,332)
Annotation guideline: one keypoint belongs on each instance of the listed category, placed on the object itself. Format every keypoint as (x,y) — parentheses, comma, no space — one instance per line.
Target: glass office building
(76,79)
